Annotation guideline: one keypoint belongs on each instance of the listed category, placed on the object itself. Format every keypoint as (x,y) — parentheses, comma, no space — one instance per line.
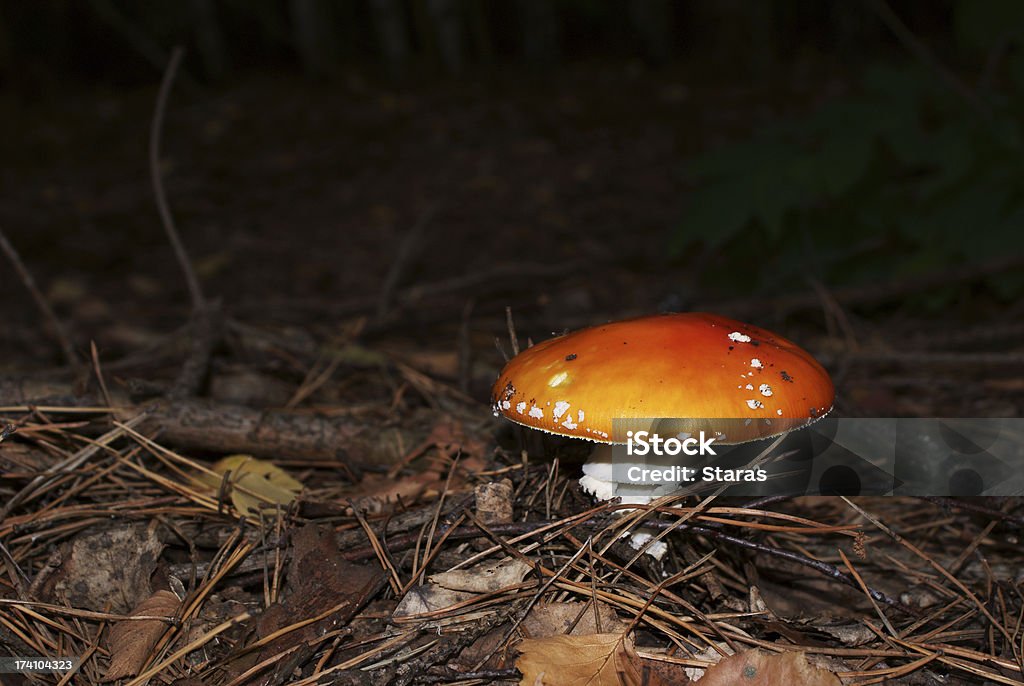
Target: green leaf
(716,214)
(843,161)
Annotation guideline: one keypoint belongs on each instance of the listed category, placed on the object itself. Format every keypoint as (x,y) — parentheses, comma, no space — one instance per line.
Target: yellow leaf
(588,660)
(252,484)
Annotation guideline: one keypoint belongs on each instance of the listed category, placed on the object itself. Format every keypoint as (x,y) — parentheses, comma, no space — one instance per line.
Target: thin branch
(1014,649)
(30,284)
(195,292)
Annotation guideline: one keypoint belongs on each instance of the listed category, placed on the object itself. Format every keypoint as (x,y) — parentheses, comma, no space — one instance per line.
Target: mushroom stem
(598,479)
(601,476)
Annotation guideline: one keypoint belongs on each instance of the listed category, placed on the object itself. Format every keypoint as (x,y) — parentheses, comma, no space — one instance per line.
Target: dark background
(845,173)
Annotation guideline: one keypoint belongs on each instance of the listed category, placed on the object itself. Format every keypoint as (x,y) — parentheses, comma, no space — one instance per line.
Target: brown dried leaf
(757,668)
(378,491)
(319,577)
(131,642)
(552,619)
(590,660)
(429,599)
(485,577)
(108,569)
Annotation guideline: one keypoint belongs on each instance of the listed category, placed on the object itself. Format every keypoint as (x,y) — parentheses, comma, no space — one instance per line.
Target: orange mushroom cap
(691,366)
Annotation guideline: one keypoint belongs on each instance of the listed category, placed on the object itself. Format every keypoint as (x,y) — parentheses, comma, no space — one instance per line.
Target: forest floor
(363,243)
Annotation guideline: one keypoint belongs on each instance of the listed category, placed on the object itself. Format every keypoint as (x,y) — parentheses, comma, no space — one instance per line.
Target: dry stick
(86,655)
(989,334)
(38,485)
(867,592)
(889,674)
(822,567)
(186,649)
(85,614)
(488,280)
(941,570)
(269,638)
(30,285)
(382,554)
(524,530)
(21,581)
(763,457)
(427,556)
(99,373)
(969,550)
(529,606)
(511,330)
(195,292)
(203,325)
(206,425)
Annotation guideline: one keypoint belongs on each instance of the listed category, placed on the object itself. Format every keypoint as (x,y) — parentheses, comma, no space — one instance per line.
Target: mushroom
(697,367)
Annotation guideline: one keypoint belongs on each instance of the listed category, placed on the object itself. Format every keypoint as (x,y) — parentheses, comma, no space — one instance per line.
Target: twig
(513,339)
(864,587)
(74,461)
(155,132)
(352,444)
(529,606)
(44,307)
(817,565)
(526,529)
(188,648)
(1014,649)
(99,373)
(205,328)
(967,506)
(204,325)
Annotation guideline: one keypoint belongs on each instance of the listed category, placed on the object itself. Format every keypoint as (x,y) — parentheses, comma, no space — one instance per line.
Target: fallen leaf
(494,502)
(589,660)
(319,578)
(377,492)
(252,484)
(552,619)
(131,642)
(487,647)
(485,577)
(428,599)
(671,672)
(758,668)
(104,570)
